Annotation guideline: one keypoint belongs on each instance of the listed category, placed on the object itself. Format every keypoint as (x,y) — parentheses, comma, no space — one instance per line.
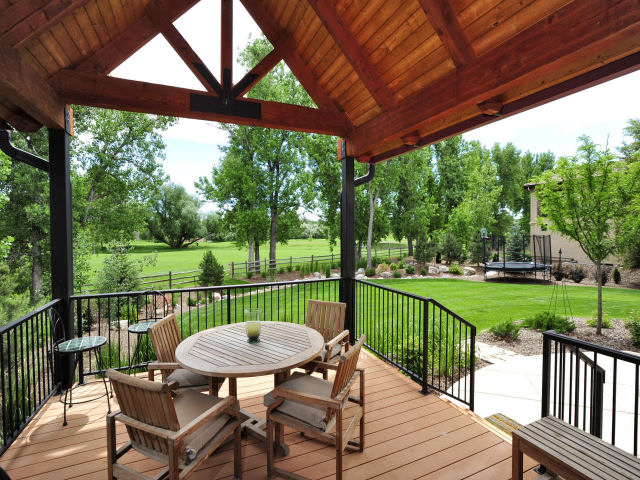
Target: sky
(600,112)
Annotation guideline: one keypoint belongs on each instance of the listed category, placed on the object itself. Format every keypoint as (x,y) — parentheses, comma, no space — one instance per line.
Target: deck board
(408,436)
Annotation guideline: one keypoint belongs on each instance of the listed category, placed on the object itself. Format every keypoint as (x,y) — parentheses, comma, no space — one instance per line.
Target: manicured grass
(488,303)
(184,259)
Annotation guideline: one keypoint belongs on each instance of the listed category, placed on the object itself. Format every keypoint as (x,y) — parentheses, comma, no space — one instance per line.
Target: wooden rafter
(446,25)
(26,19)
(226,44)
(349,46)
(586,80)
(27,90)
(134,37)
(295,62)
(183,49)
(530,54)
(97,90)
(282,48)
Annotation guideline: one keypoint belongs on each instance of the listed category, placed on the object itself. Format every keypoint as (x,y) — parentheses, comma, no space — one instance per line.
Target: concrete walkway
(512,385)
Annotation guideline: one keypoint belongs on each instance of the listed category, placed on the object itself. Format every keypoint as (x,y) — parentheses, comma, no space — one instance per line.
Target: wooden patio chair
(328,319)
(179,429)
(165,338)
(315,407)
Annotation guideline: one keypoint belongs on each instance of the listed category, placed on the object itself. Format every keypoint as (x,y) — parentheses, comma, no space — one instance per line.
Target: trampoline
(541,260)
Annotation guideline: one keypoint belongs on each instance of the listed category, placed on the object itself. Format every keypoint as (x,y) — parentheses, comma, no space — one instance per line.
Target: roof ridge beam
(445,23)
(183,49)
(348,44)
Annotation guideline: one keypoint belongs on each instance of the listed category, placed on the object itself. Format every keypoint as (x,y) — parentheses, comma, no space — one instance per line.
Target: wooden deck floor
(408,436)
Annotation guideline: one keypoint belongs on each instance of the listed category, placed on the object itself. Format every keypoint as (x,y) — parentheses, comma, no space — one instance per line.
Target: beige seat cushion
(189,404)
(185,378)
(299,382)
(336,351)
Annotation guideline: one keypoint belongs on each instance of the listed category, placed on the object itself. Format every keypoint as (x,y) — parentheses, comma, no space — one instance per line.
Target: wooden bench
(571,452)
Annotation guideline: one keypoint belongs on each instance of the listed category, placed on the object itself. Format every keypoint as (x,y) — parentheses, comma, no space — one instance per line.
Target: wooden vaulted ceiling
(387,75)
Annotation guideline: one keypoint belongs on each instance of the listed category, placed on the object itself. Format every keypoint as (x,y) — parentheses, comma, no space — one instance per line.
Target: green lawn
(486,303)
(180,260)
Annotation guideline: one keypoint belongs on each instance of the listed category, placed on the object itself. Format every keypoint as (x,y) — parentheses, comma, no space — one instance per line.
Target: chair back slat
(149,403)
(326,317)
(165,337)
(346,368)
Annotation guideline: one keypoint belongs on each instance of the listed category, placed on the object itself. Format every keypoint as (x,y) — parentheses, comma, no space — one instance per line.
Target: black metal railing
(27,370)
(196,309)
(421,337)
(592,387)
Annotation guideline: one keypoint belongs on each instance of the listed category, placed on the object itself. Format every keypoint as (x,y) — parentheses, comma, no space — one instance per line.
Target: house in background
(571,250)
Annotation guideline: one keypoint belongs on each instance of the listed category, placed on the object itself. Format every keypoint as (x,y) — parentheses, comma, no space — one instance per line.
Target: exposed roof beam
(20,121)
(183,49)
(134,37)
(295,62)
(348,44)
(446,25)
(27,90)
(595,77)
(539,50)
(281,49)
(97,90)
(32,17)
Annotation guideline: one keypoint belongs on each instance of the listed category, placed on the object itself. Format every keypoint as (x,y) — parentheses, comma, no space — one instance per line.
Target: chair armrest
(132,422)
(305,397)
(164,366)
(344,393)
(226,405)
(316,364)
(334,341)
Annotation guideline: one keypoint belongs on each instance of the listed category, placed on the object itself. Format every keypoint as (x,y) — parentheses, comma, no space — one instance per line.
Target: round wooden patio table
(225,352)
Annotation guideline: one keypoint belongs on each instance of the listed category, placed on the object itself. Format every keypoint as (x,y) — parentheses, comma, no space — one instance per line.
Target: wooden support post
(226,44)
(62,239)
(347,239)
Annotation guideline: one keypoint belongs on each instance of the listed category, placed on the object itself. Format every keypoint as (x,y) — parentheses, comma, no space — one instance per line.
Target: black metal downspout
(20,155)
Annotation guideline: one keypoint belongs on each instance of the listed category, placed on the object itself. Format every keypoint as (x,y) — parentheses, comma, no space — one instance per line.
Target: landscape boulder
(443,269)
(359,271)
(360,276)
(468,271)
(386,274)
(433,270)
(317,275)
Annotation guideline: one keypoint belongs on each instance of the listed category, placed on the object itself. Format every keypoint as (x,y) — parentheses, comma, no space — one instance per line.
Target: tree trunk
(36,268)
(599,281)
(410,246)
(257,250)
(359,250)
(251,256)
(372,206)
(272,239)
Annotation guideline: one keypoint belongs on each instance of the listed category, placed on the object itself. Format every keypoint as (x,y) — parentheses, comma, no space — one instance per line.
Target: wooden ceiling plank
(294,60)
(410,51)
(93,89)
(576,31)
(119,16)
(65,41)
(84,23)
(415,26)
(134,37)
(27,90)
(446,25)
(226,44)
(108,17)
(282,48)
(73,30)
(183,49)
(354,53)
(43,16)
(97,22)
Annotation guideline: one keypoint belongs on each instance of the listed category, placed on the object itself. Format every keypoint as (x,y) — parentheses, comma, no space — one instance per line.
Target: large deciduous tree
(117,156)
(174,219)
(581,201)
(272,155)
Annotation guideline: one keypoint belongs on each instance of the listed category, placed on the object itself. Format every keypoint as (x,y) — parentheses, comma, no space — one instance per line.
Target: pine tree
(211,272)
